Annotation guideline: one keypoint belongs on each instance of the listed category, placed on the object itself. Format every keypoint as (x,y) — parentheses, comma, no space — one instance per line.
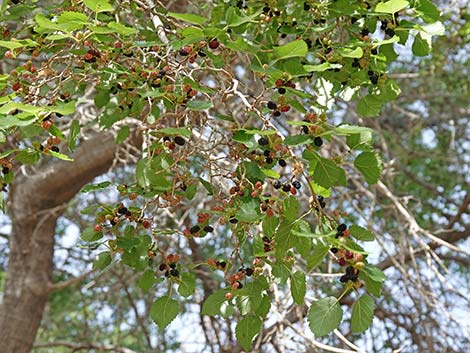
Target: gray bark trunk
(34,205)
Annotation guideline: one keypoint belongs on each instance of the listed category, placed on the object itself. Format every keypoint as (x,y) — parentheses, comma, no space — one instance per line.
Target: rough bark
(34,205)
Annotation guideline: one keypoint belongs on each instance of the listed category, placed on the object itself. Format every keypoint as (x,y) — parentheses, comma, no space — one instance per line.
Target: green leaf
(121,29)
(319,253)
(297,140)
(290,208)
(199,105)
(27,156)
(73,134)
(62,156)
(102,260)
(98,5)
(90,235)
(208,186)
(11,44)
(187,284)
(298,287)
(188,17)
(248,210)
(246,330)
(375,273)
(94,187)
(420,46)
(370,166)
(373,287)
(351,53)
(370,105)
(213,303)
(326,173)
(123,134)
(290,50)
(362,314)
(324,316)
(175,131)
(245,138)
(163,311)
(361,233)
(346,129)
(147,280)
(391,6)
(427,10)
(321,67)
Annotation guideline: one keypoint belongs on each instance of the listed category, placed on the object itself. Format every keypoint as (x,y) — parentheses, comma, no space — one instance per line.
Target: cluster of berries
(216,264)
(268,245)
(287,187)
(169,266)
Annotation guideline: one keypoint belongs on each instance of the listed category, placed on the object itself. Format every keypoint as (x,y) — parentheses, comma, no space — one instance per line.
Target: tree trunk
(35,202)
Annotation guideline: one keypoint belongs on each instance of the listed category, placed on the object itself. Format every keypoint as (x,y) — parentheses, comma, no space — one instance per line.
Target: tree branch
(84,346)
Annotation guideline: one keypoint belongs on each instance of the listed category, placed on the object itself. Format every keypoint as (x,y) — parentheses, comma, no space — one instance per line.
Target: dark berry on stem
(334,250)
(342,227)
(233,220)
(266,153)
(305,129)
(282,163)
(296,184)
(194,229)
(174,272)
(286,187)
(179,140)
(318,141)
(162,266)
(277,184)
(269,160)
(263,141)
(208,229)
(173,266)
(249,272)
(281,90)
(272,105)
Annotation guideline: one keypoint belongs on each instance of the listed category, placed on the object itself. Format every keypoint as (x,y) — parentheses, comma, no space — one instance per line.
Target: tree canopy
(247,170)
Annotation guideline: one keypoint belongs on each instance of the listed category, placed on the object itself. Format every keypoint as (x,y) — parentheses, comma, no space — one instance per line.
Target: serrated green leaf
(290,50)
(98,5)
(246,330)
(102,260)
(175,131)
(420,46)
(370,105)
(188,17)
(187,284)
(94,187)
(362,314)
(319,253)
(290,208)
(147,280)
(370,166)
(199,105)
(321,67)
(346,129)
(122,29)
(298,287)
(163,311)
(73,134)
(326,173)
(27,156)
(361,233)
(90,235)
(62,156)
(391,6)
(208,186)
(324,316)
(297,140)
(123,134)
(351,53)
(427,10)
(213,303)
